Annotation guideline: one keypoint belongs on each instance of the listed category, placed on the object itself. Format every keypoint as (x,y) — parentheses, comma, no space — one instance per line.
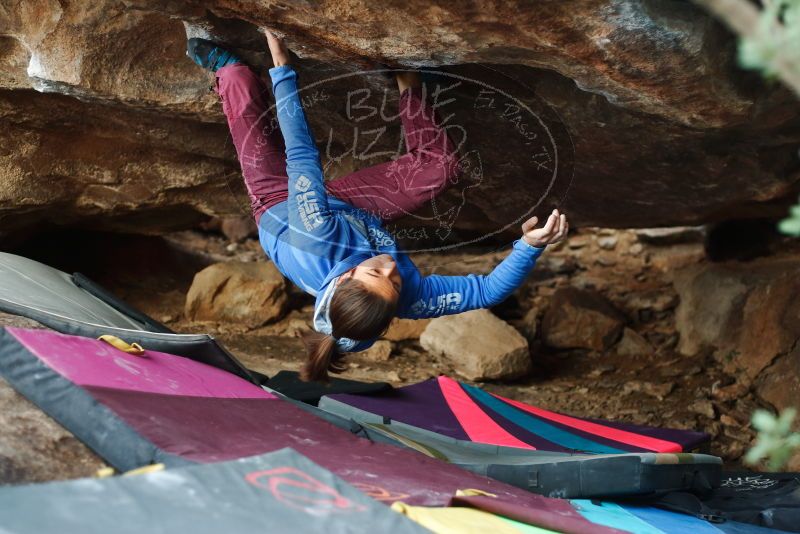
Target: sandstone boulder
(530,323)
(633,344)
(237,229)
(779,384)
(403,329)
(676,257)
(581,319)
(710,303)
(747,313)
(479,345)
(250,293)
(380,351)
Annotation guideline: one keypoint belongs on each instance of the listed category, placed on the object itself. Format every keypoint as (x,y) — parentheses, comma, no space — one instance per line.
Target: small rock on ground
(658,391)
(238,292)
(380,351)
(479,345)
(633,344)
(581,319)
(703,407)
(403,329)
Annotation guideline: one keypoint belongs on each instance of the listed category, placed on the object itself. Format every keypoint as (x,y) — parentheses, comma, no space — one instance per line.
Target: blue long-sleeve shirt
(313,238)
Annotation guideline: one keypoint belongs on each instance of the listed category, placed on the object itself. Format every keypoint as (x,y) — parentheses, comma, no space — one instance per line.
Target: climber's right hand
(280,54)
(554,230)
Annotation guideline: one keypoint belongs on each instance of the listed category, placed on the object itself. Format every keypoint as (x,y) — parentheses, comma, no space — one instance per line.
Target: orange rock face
(623,112)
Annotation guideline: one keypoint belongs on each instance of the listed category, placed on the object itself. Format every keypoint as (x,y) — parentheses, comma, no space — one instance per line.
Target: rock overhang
(638,107)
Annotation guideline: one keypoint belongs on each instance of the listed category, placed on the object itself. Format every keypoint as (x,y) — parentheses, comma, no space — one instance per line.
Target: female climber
(327,237)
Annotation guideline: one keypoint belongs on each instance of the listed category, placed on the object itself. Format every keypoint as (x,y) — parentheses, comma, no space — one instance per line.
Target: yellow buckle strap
(106,472)
(117,343)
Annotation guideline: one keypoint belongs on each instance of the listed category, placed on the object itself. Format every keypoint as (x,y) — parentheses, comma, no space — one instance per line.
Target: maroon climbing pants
(388,190)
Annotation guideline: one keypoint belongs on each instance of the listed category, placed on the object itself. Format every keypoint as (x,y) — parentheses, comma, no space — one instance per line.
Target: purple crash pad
(205,416)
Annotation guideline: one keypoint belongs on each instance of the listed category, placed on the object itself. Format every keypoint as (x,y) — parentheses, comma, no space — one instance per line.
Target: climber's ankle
(406,79)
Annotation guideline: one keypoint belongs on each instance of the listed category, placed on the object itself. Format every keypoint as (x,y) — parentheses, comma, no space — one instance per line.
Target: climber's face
(379,274)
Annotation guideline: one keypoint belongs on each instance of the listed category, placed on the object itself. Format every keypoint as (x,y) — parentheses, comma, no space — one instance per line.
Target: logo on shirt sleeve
(379,238)
(440,305)
(307,204)
(302,183)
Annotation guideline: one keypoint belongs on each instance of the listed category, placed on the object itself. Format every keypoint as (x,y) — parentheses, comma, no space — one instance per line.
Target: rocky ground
(636,326)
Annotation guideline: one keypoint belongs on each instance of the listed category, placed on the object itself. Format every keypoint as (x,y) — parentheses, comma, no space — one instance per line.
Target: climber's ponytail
(323,357)
(355,313)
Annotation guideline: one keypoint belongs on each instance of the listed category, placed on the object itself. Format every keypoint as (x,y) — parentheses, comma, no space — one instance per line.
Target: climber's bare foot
(406,79)
(280,54)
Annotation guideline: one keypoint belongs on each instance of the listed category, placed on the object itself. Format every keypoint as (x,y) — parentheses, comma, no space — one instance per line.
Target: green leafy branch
(776,442)
(791,224)
(769,37)
(769,40)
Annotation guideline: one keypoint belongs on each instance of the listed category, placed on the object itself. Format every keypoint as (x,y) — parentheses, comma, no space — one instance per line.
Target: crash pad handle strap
(117,343)
(106,472)
(690,504)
